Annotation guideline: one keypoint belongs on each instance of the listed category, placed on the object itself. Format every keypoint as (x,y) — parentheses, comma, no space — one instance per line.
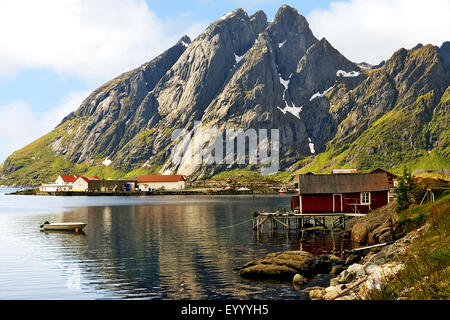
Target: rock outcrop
(376,227)
(288,265)
(376,269)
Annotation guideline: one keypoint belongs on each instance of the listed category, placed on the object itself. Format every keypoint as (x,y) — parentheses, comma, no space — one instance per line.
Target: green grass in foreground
(427,262)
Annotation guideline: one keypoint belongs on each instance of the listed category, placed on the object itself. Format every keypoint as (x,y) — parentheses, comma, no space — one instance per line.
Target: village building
(156,182)
(82,183)
(392,178)
(62,183)
(341,193)
(96,185)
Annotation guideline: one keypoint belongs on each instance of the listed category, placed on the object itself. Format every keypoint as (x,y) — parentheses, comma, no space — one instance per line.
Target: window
(365,197)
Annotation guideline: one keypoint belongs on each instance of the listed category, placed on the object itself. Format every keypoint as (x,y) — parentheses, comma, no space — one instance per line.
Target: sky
(53,53)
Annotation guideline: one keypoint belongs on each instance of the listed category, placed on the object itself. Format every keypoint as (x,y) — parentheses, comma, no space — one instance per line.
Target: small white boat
(66,226)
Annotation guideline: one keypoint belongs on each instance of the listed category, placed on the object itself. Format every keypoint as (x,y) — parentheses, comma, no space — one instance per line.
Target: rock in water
(288,265)
(299,279)
(280,266)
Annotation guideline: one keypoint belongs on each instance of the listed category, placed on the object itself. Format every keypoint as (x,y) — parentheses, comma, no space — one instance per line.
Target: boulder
(336,270)
(299,279)
(279,265)
(333,292)
(317,294)
(346,277)
(334,282)
(376,227)
(351,273)
(268,271)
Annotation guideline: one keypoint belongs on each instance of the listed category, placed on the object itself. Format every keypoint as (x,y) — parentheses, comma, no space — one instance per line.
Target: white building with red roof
(82,183)
(66,179)
(64,182)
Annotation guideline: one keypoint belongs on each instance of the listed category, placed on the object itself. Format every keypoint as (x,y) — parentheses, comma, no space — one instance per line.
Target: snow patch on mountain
(238,58)
(311,146)
(319,95)
(106,162)
(342,73)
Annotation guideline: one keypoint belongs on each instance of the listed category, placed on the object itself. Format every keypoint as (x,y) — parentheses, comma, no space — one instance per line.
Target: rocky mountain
(245,72)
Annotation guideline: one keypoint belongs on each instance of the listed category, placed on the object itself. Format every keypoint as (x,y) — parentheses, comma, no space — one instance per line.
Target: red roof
(93,178)
(74,177)
(160,178)
(89,178)
(69,178)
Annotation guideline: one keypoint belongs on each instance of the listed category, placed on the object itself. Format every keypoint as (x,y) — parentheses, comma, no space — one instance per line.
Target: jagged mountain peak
(424,55)
(320,69)
(259,20)
(244,72)
(258,15)
(291,37)
(286,11)
(185,40)
(324,44)
(239,13)
(288,19)
(444,51)
(417,46)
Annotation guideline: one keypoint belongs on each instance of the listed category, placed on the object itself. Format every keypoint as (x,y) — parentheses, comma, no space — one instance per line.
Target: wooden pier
(292,220)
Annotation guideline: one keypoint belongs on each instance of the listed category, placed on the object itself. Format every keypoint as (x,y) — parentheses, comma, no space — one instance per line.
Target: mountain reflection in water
(147,247)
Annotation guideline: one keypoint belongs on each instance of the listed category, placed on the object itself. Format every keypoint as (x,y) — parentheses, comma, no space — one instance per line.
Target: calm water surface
(160,247)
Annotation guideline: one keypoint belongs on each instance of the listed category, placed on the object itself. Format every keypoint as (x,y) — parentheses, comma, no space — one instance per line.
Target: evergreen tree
(404,193)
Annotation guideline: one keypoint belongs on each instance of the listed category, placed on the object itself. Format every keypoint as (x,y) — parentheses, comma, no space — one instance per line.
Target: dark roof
(381,169)
(160,178)
(343,183)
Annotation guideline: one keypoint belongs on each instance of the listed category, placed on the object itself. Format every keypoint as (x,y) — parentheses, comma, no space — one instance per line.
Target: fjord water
(172,247)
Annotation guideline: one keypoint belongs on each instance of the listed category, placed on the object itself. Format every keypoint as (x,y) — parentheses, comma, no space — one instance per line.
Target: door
(337,203)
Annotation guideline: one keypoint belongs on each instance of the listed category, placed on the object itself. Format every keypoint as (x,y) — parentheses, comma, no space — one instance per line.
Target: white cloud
(20,125)
(96,40)
(372,30)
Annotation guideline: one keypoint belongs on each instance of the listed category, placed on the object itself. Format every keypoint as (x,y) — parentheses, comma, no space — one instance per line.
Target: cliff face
(244,72)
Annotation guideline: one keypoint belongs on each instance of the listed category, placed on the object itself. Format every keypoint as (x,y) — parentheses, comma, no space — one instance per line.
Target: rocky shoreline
(374,269)
(353,275)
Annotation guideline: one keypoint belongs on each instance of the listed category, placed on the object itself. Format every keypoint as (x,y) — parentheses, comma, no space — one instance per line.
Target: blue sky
(55,52)
(210,9)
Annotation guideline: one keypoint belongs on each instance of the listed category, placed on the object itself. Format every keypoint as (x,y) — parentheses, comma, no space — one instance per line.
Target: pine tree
(405,188)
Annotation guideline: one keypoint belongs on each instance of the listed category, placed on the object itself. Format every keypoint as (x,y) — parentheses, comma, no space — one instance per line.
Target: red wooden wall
(323,203)
(317,203)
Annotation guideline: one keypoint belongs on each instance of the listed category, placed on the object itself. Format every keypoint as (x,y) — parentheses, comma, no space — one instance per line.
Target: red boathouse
(341,193)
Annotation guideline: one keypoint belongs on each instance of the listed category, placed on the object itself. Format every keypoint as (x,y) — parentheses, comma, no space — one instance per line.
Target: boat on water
(64,226)
(282,191)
